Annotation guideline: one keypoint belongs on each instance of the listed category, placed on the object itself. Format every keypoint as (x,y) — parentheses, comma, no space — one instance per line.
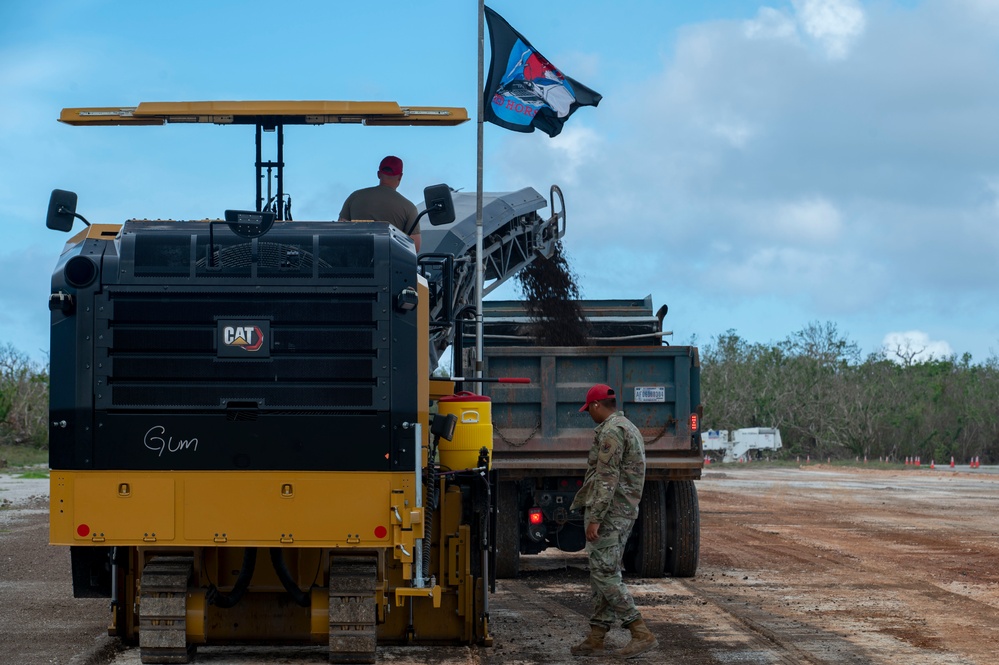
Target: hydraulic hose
(227,600)
(301,598)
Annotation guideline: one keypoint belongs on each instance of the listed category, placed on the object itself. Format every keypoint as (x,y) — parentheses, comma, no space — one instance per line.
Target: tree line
(826,399)
(24,399)
(829,401)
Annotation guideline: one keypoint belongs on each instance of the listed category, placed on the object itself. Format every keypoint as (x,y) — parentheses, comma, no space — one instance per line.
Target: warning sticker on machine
(650,393)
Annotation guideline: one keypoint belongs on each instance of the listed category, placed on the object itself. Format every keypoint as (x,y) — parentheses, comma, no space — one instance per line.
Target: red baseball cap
(390,166)
(596,393)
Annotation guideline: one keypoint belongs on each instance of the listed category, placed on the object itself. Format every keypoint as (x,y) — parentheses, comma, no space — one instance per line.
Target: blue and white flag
(524,90)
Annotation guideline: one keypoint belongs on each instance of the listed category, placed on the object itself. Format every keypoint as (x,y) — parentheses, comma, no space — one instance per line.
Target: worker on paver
(383,203)
(609,497)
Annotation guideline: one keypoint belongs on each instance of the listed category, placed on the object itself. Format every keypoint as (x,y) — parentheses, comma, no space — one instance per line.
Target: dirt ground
(798,565)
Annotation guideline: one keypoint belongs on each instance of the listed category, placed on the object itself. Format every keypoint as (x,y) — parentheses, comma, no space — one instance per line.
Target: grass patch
(16,458)
(34,475)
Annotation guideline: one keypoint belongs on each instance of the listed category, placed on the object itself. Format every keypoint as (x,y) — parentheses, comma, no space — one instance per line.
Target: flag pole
(478,204)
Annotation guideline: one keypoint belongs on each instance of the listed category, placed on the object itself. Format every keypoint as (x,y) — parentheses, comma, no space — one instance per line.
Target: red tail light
(693,422)
(534,516)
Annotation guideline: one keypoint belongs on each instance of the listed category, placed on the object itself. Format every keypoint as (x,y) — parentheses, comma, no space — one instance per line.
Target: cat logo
(240,338)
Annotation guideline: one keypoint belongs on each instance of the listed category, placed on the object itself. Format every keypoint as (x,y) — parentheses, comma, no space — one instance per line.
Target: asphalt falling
(551,293)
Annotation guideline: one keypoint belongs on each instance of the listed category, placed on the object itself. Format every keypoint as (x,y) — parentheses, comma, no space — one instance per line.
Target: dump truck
(541,441)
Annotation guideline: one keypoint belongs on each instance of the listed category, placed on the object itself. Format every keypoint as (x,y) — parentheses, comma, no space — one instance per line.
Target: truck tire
(507,530)
(683,528)
(645,553)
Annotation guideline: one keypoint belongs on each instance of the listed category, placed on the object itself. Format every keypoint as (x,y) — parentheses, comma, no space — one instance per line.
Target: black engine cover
(280,352)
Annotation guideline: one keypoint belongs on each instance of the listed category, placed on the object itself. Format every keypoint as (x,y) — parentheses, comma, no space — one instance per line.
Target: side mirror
(62,210)
(439,204)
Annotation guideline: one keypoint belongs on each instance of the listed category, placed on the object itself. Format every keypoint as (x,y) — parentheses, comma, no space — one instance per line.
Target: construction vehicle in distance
(743,444)
(241,447)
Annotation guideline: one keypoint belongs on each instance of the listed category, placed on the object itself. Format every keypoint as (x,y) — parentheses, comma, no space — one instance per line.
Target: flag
(524,90)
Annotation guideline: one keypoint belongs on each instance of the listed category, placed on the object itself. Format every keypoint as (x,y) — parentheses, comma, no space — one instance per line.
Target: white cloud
(828,283)
(914,346)
(572,149)
(735,131)
(834,24)
(981,10)
(771,24)
(812,219)
(756,179)
(992,186)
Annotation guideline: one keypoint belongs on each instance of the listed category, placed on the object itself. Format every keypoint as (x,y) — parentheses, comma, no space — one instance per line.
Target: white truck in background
(741,444)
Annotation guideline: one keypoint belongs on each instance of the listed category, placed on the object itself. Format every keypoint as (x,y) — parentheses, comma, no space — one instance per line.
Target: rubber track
(353,613)
(163,610)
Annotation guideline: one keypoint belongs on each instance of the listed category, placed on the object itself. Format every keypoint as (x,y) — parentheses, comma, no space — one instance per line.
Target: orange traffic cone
(952,461)
(933,464)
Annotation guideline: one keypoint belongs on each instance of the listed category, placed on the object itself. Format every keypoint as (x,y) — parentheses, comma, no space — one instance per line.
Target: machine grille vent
(323,351)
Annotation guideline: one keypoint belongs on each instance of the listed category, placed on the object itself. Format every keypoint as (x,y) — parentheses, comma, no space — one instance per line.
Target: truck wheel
(683,528)
(508,530)
(645,553)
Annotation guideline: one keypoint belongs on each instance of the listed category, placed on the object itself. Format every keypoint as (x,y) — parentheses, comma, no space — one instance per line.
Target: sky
(755,165)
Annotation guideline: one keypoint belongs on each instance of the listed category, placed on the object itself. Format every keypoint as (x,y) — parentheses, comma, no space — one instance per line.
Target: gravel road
(798,565)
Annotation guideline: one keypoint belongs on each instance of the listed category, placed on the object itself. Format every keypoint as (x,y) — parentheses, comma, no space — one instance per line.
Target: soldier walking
(615,476)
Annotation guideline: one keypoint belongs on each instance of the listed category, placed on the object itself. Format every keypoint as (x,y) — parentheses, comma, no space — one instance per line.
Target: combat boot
(593,645)
(642,640)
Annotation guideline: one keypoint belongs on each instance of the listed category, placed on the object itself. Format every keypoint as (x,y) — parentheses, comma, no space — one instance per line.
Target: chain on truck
(242,445)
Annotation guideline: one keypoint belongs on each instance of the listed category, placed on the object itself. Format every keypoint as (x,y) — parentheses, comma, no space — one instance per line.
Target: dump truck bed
(538,427)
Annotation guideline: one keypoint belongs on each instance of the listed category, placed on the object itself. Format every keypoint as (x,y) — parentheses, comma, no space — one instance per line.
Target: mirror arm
(416,222)
(63,210)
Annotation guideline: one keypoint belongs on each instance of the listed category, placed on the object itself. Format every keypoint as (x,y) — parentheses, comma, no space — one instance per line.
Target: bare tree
(24,393)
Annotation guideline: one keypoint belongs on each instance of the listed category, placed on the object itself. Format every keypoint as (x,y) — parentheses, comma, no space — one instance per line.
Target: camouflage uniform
(615,476)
